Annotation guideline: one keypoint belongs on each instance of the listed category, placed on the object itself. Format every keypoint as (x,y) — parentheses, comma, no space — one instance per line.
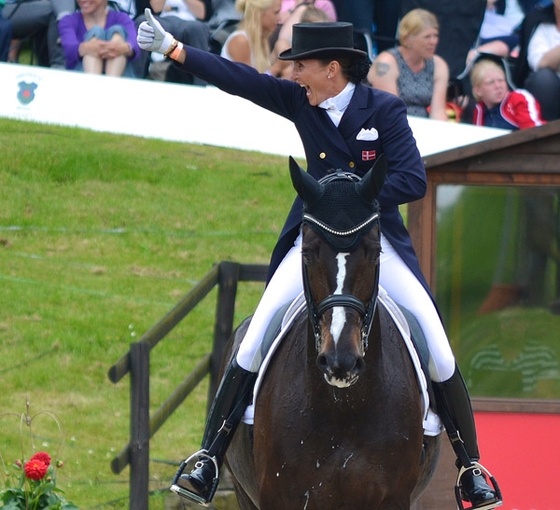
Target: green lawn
(100,236)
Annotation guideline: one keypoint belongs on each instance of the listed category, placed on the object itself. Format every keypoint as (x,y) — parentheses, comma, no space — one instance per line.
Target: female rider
(344,125)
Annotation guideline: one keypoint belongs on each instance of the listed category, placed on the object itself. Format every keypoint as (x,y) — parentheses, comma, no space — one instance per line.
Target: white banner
(177,112)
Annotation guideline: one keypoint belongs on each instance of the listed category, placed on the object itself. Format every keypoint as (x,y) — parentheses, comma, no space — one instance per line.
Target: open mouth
(341,383)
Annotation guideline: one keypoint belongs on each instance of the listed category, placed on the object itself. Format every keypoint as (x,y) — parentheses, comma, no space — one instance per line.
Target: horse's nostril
(360,365)
(340,366)
(322,362)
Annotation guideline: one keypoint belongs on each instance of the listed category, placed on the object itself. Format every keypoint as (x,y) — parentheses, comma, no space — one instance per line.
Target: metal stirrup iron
(478,470)
(466,464)
(187,494)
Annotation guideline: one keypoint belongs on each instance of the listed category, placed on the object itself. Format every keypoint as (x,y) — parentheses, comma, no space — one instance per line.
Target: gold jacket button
(323,155)
(351,164)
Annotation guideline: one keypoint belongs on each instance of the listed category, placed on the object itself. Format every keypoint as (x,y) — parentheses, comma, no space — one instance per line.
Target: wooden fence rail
(136,362)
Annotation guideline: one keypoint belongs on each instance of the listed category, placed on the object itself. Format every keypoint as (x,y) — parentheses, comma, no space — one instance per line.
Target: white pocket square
(368,134)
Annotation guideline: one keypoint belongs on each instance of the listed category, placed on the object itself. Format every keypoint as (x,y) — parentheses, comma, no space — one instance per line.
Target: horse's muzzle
(340,371)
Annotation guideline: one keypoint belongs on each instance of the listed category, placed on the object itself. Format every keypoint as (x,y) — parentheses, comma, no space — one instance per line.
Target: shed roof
(534,151)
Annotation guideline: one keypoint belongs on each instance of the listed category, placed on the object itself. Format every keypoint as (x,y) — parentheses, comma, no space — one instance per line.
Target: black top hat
(322,40)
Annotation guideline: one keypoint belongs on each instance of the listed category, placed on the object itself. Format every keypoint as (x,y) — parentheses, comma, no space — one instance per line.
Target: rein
(367,311)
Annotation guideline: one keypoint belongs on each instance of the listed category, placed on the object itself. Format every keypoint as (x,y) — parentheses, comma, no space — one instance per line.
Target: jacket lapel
(359,110)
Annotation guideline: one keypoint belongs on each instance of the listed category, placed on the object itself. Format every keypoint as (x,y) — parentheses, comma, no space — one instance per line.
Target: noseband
(366,310)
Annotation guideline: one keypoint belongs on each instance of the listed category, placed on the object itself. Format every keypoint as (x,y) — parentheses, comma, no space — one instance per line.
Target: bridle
(366,310)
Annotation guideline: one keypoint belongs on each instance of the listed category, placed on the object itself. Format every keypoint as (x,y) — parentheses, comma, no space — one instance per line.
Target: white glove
(151,35)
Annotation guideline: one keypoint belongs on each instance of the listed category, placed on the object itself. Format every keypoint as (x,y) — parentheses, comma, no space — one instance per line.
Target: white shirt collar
(336,106)
(341,100)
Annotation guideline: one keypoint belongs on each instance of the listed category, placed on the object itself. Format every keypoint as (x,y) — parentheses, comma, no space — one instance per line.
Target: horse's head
(341,248)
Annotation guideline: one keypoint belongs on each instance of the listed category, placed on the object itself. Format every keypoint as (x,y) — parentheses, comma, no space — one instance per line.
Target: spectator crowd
(413,54)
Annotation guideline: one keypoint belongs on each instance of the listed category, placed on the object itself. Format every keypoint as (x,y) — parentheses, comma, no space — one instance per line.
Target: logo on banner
(26,92)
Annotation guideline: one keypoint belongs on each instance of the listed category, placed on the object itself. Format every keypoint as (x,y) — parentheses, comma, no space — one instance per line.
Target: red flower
(44,457)
(35,469)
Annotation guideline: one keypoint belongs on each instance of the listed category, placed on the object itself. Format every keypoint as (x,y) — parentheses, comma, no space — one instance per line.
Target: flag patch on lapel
(368,155)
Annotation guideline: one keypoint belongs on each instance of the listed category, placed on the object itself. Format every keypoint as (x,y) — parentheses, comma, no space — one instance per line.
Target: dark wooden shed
(530,157)
(522,158)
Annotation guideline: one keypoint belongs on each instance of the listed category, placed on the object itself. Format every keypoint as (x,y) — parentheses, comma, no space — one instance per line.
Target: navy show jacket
(327,147)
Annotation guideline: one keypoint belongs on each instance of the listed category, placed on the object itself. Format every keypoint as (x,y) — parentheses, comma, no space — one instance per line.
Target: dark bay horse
(338,417)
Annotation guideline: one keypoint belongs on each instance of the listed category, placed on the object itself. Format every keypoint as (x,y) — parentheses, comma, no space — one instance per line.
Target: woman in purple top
(98,40)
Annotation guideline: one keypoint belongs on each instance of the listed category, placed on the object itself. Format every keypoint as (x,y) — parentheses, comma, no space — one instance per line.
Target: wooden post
(139,454)
(223,329)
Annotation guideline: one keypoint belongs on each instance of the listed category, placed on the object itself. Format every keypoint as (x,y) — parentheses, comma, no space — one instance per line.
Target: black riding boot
(454,406)
(233,396)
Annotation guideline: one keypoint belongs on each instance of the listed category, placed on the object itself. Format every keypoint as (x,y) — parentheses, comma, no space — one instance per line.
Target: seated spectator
(378,16)
(186,25)
(98,40)
(412,70)
(187,10)
(5,35)
(538,65)
(516,10)
(250,44)
(221,11)
(37,21)
(498,106)
(307,14)
(289,7)
(292,12)
(303,13)
(497,34)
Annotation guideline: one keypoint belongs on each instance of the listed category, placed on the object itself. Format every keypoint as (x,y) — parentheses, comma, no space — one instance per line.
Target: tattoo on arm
(381,68)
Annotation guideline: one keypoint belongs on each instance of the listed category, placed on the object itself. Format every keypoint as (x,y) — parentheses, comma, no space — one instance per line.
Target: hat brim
(321,53)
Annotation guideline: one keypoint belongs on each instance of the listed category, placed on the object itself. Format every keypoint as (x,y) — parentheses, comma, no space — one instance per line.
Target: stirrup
(186,493)
(478,470)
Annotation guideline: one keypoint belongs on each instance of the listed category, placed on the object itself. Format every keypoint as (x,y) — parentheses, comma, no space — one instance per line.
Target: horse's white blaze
(338,315)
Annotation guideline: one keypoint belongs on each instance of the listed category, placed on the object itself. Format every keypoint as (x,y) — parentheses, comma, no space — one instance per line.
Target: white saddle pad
(431,422)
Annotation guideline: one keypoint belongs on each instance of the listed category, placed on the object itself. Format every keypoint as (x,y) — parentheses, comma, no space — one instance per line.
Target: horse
(334,428)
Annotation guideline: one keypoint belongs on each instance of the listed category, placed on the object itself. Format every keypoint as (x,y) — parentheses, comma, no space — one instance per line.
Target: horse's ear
(370,186)
(305,185)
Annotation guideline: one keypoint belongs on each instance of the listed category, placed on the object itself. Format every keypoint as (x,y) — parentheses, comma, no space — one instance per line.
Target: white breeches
(395,277)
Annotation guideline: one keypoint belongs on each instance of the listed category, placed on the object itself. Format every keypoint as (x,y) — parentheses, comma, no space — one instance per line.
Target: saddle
(407,325)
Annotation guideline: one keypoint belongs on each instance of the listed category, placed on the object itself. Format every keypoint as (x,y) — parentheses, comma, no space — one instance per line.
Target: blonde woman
(412,70)
(249,44)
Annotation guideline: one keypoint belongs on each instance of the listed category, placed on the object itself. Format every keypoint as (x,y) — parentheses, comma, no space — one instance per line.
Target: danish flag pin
(368,155)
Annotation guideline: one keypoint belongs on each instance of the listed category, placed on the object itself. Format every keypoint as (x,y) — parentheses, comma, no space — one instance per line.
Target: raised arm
(282,97)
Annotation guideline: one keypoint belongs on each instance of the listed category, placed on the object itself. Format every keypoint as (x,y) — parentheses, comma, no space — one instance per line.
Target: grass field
(100,236)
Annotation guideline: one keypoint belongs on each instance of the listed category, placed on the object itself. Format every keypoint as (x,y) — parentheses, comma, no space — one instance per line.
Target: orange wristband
(171,48)
(176,52)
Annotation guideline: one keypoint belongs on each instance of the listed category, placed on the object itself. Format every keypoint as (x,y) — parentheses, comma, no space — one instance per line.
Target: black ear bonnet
(341,211)
(341,206)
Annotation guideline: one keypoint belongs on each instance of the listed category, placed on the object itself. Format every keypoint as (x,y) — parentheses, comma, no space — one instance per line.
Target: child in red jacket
(497,104)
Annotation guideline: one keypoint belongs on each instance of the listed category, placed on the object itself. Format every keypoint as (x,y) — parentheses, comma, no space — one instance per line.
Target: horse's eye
(307,255)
